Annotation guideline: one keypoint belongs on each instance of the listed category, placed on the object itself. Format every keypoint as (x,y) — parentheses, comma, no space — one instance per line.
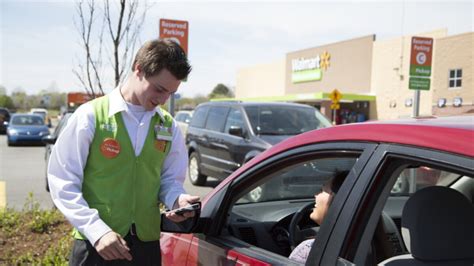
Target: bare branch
(122,24)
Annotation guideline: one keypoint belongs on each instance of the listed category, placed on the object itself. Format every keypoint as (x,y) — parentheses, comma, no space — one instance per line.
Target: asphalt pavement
(23,170)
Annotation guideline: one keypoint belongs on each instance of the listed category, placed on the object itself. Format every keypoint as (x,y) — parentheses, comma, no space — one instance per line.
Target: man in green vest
(118,158)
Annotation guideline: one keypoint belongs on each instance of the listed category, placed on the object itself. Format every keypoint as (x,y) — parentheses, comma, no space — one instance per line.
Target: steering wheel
(297,235)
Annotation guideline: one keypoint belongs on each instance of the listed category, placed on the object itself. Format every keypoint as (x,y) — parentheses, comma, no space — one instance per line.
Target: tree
(190,103)
(3,90)
(6,101)
(119,20)
(221,91)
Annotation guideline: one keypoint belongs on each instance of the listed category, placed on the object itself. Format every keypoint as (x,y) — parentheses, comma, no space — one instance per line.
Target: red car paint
(445,134)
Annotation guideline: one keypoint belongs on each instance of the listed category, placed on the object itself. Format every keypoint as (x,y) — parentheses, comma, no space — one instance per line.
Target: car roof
(239,103)
(23,114)
(449,134)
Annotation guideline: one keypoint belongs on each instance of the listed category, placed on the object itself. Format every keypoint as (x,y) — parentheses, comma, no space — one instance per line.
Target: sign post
(335,96)
(420,68)
(176,30)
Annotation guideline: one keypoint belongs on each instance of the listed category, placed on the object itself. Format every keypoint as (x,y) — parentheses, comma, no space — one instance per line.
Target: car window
(299,181)
(61,125)
(274,199)
(199,117)
(413,179)
(27,120)
(179,117)
(409,175)
(284,120)
(234,119)
(216,118)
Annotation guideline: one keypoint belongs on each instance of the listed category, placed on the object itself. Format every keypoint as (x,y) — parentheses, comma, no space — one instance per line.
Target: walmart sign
(309,69)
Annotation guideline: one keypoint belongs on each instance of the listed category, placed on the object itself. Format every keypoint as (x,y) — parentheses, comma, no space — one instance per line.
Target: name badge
(163,133)
(110,148)
(109,127)
(160,145)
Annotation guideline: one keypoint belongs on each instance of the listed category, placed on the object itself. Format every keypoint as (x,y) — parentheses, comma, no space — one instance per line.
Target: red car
(371,220)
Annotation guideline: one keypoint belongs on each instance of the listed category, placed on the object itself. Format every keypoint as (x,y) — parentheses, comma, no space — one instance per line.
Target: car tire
(195,176)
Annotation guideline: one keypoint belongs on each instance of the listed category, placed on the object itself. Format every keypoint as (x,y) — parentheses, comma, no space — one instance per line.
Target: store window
(455,78)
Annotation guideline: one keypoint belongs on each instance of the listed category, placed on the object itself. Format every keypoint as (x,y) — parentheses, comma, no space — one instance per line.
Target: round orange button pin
(110,148)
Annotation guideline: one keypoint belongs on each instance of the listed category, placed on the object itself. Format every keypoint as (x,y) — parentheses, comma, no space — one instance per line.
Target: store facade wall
(261,80)
(453,80)
(365,68)
(345,66)
(390,76)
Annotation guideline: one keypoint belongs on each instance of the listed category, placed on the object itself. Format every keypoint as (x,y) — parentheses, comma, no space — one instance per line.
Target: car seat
(437,227)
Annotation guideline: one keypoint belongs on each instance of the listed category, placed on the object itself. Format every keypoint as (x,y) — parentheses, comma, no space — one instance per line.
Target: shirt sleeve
(301,252)
(66,173)
(174,169)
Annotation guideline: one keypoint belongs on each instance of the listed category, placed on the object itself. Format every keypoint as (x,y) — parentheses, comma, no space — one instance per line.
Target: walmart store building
(372,76)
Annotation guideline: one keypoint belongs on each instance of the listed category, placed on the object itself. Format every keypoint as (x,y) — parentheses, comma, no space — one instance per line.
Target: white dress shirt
(69,156)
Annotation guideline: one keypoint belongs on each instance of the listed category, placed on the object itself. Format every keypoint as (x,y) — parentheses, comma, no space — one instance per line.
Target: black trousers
(143,253)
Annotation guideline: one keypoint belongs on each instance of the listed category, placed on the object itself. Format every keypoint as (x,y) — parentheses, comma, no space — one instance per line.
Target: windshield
(284,120)
(27,120)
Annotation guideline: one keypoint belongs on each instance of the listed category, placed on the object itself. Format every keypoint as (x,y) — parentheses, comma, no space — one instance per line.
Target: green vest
(123,187)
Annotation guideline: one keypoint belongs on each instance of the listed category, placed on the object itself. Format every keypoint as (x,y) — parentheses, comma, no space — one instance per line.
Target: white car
(44,113)
(183,118)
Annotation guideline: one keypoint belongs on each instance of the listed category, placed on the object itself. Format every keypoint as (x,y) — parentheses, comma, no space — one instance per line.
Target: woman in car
(322,203)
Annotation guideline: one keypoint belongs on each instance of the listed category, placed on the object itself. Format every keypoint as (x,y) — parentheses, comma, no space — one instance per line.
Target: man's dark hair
(156,55)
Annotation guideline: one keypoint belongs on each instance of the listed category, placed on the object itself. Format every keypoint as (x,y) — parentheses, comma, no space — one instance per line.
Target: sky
(39,44)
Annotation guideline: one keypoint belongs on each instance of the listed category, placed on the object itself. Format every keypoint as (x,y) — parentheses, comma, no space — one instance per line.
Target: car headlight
(13,132)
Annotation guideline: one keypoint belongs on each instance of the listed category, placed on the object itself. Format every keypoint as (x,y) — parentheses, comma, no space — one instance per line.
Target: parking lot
(22,170)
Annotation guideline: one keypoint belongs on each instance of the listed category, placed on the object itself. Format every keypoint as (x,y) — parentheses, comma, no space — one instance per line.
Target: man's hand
(182,201)
(112,246)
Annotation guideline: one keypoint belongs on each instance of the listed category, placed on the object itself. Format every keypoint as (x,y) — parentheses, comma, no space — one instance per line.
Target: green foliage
(9,220)
(190,103)
(36,221)
(41,220)
(6,101)
(58,254)
(221,91)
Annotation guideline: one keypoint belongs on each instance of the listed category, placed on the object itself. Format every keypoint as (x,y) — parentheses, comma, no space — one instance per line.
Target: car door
(237,147)
(349,241)
(231,240)
(213,147)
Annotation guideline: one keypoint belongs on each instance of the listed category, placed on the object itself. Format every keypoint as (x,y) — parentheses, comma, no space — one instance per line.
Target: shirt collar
(117,104)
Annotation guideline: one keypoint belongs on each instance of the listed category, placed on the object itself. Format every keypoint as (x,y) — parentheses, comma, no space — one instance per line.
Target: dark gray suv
(222,136)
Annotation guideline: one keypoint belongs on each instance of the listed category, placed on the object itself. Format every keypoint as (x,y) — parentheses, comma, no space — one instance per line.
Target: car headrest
(437,224)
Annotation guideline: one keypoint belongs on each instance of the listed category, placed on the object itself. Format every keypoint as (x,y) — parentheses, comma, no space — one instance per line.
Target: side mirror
(187,226)
(236,131)
(49,139)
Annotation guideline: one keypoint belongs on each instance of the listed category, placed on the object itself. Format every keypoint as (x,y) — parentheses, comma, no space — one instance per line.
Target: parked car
(4,117)
(222,136)
(44,113)
(366,224)
(26,129)
(49,142)
(183,118)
